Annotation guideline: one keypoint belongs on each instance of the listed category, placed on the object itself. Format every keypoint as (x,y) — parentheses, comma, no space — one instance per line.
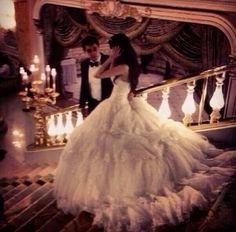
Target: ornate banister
(172,82)
(61,122)
(216,102)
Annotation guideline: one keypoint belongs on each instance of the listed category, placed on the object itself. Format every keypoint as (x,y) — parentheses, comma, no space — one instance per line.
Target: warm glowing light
(51,126)
(60,129)
(7,14)
(217,100)
(17,133)
(21,71)
(47,69)
(79,120)
(36,59)
(17,144)
(53,73)
(32,68)
(18,139)
(189,106)
(164,109)
(69,125)
(43,76)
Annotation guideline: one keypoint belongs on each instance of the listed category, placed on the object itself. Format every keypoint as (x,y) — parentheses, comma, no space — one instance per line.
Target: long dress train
(134,170)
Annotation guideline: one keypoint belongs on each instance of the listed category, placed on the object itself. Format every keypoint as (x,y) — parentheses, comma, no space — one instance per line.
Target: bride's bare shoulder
(125,72)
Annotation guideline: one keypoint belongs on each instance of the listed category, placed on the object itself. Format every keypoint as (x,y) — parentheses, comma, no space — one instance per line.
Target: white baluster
(60,129)
(52,128)
(68,125)
(217,100)
(79,119)
(164,109)
(189,106)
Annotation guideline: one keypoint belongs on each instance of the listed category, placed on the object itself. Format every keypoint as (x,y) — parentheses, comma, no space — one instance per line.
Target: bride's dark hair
(127,56)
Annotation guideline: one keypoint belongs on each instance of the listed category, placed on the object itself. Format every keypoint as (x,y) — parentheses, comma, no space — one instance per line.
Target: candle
(43,79)
(48,69)
(36,63)
(25,77)
(25,80)
(36,59)
(32,68)
(21,71)
(54,73)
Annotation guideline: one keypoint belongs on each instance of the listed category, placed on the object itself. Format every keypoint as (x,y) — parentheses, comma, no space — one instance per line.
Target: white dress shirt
(95,83)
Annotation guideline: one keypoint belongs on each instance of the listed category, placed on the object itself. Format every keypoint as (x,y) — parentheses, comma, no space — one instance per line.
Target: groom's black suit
(85,91)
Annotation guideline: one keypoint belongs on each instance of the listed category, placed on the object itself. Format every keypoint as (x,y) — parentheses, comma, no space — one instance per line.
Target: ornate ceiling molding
(167,13)
(213,5)
(114,8)
(111,8)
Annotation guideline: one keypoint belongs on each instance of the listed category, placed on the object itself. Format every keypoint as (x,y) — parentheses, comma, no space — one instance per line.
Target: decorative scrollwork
(114,8)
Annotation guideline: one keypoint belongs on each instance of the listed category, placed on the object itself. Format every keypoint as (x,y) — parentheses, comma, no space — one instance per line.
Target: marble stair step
(16,198)
(33,209)
(15,187)
(25,171)
(39,218)
(35,171)
(14,181)
(24,182)
(6,189)
(81,223)
(56,223)
(22,206)
(13,191)
(48,170)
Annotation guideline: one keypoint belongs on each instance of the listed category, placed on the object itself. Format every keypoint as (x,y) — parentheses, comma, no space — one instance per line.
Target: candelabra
(42,93)
(40,100)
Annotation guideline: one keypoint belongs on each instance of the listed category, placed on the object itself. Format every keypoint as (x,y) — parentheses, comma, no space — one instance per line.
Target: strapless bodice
(121,89)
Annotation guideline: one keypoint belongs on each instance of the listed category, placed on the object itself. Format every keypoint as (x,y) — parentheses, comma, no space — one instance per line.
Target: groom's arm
(83,89)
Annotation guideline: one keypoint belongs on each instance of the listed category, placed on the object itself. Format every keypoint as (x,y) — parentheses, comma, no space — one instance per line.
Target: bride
(130,168)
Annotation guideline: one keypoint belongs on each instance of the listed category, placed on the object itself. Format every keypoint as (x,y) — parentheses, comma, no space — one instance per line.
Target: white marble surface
(19,134)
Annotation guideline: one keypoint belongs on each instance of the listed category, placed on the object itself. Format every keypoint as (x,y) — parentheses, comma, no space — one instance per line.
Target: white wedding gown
(134,170)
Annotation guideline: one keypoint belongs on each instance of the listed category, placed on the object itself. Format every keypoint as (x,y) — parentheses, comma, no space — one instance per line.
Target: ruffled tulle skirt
(134,170)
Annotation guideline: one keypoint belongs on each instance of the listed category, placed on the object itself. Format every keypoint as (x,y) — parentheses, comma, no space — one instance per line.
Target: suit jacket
(85,91)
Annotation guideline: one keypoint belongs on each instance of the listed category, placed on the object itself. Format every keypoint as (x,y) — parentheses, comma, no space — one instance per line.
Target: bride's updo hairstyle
(127,56)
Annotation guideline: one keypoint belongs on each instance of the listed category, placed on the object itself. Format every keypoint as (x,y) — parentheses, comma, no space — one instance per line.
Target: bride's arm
(119,70)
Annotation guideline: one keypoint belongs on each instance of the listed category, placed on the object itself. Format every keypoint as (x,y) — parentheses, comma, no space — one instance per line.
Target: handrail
(178,81)
(70,108)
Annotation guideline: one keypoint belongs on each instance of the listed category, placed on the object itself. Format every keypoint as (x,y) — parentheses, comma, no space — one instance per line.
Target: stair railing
(61,123)
(189,106)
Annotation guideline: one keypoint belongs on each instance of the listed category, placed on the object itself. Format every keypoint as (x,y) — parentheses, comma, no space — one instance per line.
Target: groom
(92,90)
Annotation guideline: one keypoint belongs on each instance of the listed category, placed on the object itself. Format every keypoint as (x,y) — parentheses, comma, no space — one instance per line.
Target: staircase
(29,206)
